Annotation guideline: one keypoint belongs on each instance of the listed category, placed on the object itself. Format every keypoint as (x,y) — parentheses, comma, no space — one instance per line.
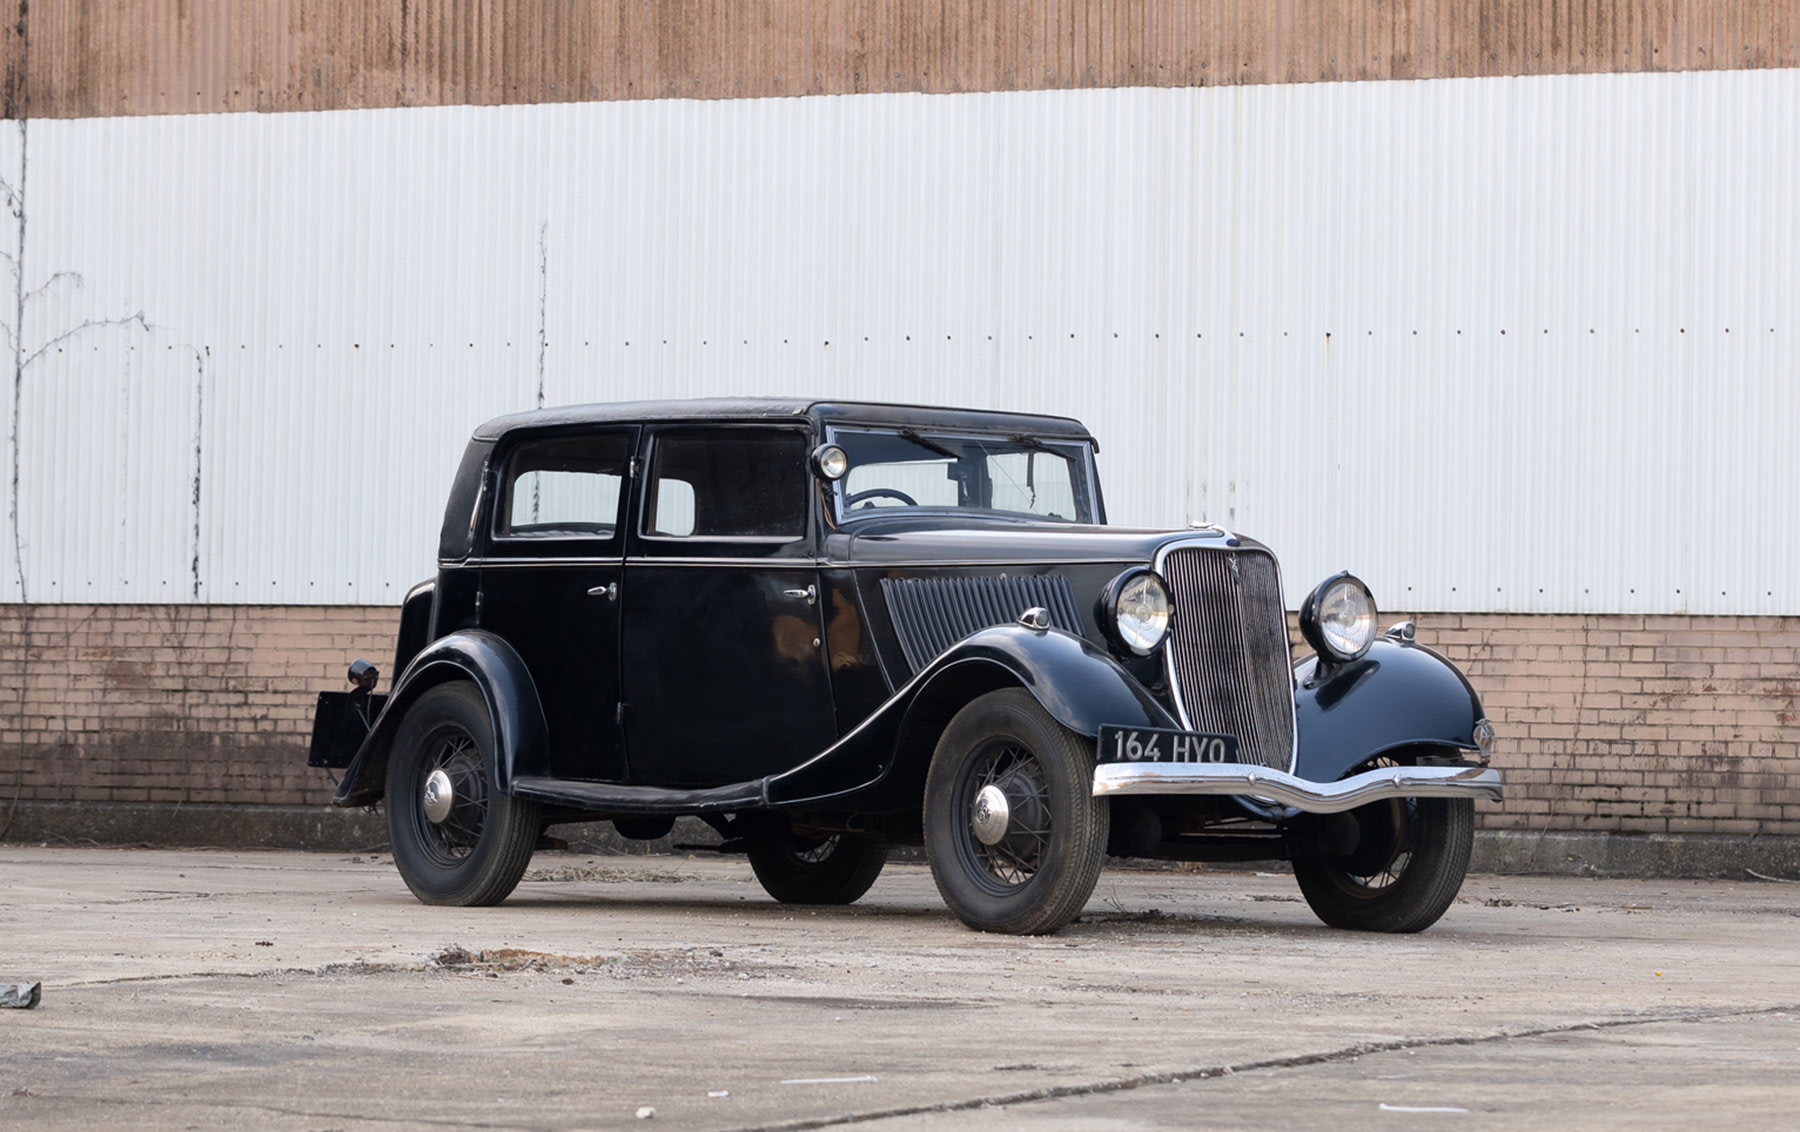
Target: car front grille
(1228,650)
(931,614)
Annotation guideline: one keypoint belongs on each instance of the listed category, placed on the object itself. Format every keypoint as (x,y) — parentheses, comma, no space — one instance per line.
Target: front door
(724,669)
(550,585)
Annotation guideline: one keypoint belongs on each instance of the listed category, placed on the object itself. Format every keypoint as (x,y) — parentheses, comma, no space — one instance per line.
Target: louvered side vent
(931,614)
(1228,651)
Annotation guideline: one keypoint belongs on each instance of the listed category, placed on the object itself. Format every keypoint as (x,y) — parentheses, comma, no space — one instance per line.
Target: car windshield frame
(1078,451)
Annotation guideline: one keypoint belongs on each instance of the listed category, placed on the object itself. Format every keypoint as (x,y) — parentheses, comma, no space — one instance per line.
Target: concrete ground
(200,990)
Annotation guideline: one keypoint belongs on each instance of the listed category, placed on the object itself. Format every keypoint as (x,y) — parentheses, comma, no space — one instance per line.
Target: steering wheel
(892,493)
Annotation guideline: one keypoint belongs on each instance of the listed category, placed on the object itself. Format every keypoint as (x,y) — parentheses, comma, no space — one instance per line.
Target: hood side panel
(932,613)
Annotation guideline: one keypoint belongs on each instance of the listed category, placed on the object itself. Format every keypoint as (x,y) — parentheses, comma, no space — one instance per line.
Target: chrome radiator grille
(931,614)
(1228,650)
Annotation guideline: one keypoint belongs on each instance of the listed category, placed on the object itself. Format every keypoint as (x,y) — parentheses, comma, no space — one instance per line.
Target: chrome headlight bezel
(1323,619)
(1129,614)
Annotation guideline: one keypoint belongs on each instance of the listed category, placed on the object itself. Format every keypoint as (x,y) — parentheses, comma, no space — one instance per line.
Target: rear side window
(727,483)
(456,539)
(563,487)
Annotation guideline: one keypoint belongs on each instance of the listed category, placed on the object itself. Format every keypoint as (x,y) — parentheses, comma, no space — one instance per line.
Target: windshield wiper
(929,444)
(1034,443)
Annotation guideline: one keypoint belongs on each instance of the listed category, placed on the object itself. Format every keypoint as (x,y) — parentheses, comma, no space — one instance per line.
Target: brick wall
(1647,724)
(172,703)
(1637,724)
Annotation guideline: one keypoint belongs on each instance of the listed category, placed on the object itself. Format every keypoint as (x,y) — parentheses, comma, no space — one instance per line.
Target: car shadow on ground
(1100,922)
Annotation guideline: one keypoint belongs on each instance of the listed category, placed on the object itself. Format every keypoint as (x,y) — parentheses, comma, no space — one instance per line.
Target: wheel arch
(931,712)
(1079,685)
(1076,683)
(521,737)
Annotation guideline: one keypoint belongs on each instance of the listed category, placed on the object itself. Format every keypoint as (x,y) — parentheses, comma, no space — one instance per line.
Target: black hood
(955,540)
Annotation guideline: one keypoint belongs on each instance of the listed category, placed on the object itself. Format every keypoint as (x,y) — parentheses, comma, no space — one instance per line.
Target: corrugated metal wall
(79,58)
(1499,344)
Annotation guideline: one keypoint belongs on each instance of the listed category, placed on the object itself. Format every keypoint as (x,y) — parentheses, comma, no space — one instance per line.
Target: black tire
(475,854)
(1041,871)
(832,871)
(1408,865)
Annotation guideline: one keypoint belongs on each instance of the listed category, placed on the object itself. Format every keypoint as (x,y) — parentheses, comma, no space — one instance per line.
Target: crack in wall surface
(543,304)
(16,197)
(200,356)
(16,335)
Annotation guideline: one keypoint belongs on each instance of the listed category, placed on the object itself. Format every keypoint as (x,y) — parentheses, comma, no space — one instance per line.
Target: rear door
(550,585)
(724,670)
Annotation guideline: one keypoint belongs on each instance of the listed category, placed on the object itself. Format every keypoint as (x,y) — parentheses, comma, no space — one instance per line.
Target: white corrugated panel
(1520,344)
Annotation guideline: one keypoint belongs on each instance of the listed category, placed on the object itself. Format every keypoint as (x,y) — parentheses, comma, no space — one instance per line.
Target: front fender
(1078,684)
(1398,694)
(521,738)
(1081,686)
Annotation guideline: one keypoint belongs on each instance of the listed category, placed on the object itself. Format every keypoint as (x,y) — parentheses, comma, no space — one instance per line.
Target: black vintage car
(827,629)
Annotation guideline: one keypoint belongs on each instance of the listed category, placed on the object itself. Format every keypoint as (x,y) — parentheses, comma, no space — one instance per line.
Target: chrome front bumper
(1279,786)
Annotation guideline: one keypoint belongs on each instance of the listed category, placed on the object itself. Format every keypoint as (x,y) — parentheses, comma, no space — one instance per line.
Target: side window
(562,487)
(727,483)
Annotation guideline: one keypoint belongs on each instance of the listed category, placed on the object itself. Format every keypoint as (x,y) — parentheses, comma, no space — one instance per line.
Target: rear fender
(415,623)
(521,739)
(1398,694)
(1079,685)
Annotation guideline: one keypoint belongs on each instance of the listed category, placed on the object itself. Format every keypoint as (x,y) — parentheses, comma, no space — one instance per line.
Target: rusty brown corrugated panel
(87,58)
(12,62)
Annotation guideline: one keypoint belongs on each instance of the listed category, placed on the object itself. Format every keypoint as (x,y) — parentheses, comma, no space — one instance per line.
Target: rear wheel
(1390,866)
(456,840)
(806,871)
(1015,835)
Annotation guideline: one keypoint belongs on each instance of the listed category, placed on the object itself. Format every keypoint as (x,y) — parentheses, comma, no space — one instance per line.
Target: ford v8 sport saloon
(828,629)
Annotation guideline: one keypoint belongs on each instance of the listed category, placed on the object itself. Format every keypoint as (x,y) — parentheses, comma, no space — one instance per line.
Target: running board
(1279,786)
(618,798)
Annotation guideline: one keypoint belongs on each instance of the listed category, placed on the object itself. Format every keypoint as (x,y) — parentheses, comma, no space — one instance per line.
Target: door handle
(609,591)
(810,593)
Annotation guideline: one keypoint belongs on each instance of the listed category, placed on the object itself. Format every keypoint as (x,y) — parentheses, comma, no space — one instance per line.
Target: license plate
(1161,745)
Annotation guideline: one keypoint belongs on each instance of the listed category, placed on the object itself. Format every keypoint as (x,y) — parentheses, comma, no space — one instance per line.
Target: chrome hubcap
(992,815)
(440,797)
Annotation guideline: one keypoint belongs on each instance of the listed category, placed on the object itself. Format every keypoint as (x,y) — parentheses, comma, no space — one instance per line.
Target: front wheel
(1392,866)
(830,871)
(457,840)
(1015,835)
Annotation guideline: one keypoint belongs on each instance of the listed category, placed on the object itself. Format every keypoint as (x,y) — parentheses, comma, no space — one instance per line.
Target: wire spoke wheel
(455,754)
(1015,835)
(456,840)
(1385,836)
(823,870)
(1014,771)
(1390,866)
(815,854)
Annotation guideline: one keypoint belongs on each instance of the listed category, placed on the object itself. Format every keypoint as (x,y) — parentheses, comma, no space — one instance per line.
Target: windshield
(1017,476)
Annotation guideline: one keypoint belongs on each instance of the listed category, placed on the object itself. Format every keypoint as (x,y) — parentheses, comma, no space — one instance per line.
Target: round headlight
(830,461)
(1138,608)
(1338,618)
